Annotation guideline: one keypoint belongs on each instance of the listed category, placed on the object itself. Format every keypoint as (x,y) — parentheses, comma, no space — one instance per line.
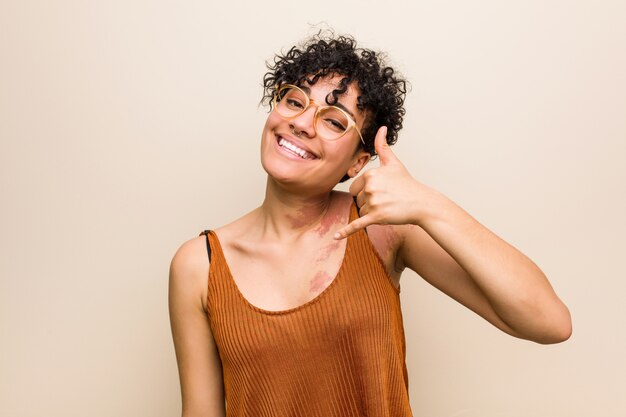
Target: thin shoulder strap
(358,211)
(208,245)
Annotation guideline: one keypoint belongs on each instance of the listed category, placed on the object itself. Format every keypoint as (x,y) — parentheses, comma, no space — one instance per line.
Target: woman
(301,313)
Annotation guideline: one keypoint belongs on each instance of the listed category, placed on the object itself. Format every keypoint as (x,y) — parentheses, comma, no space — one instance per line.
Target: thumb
(382,148)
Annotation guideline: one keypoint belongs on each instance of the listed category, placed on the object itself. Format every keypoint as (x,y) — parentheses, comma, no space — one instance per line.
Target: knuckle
(369,174)
(369,188)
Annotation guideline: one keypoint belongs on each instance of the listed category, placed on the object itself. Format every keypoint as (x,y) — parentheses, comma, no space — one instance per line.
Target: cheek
(273,119)
(268,128)
(268,124)
(342,153)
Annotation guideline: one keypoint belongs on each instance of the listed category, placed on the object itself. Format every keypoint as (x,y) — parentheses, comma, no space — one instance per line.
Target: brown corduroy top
(342,354)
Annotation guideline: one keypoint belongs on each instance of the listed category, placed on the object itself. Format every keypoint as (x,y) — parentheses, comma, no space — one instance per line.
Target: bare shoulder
(189,270)
(197,356)
(387,240)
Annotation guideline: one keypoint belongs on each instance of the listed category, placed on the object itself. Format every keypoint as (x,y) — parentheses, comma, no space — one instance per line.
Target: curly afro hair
(382,89)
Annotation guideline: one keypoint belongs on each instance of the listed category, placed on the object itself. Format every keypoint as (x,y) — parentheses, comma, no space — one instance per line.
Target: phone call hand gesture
(387,194)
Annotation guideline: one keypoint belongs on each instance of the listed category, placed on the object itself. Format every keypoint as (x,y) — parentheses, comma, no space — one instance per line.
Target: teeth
(303,154)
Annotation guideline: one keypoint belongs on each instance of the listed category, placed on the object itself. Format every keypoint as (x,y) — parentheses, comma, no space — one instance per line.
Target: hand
(387,194)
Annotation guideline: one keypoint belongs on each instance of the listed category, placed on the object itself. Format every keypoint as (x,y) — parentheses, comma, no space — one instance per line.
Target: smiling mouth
(290,147)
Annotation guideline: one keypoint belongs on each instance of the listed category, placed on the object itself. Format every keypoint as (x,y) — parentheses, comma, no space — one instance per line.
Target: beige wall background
(128,127)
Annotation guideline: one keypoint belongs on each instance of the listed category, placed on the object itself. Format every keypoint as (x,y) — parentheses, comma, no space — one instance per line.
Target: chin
(278,174)
(280,171)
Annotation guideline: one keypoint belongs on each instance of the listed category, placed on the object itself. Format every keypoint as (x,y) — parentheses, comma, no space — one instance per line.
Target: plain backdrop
(127,127)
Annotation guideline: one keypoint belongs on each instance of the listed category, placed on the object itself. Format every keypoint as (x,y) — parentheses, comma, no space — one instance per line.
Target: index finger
(352,227)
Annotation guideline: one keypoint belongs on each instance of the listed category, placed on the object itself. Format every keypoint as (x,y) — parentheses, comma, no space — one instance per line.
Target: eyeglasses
(330,122)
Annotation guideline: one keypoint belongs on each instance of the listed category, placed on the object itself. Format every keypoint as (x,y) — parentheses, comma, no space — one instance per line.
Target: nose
(305,122)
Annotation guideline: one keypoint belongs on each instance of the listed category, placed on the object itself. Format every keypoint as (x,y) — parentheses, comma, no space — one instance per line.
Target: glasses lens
(331,123)
(290,102)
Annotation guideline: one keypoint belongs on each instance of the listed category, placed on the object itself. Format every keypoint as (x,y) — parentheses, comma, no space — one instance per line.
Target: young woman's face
(325,162)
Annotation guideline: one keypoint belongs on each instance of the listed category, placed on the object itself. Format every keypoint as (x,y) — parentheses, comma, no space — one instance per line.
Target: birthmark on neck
(333,216)
(305,215)
(319,282)
(308,214)
(326,251)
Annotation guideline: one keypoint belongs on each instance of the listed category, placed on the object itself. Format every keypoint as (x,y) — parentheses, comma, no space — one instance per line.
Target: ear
(361,158)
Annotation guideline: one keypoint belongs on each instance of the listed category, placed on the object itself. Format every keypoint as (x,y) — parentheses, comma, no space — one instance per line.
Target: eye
(334,119)
(293,99)
(294,103)
(335,124)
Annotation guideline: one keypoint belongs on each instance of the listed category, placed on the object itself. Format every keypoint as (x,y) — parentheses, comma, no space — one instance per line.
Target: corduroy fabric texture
(342,354)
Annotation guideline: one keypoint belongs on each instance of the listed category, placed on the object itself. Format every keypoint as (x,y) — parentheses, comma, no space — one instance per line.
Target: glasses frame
(309,101)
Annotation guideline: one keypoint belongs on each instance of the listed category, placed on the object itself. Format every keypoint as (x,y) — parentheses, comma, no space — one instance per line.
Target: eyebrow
(337,104)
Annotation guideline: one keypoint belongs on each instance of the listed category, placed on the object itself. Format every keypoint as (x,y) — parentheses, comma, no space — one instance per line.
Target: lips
(295,147)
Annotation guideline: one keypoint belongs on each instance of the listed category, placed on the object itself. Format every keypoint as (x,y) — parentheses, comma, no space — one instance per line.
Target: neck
(287,215)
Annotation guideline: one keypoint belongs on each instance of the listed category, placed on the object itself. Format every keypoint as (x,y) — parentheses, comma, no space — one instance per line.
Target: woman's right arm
(199,365)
